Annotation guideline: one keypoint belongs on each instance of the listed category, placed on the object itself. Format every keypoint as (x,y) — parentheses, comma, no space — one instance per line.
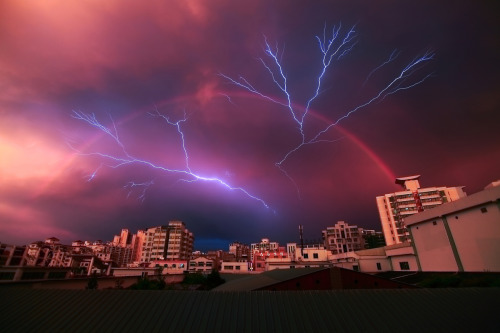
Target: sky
(189,125)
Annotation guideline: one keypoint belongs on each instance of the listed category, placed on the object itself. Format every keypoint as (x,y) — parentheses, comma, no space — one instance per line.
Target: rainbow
(179,100)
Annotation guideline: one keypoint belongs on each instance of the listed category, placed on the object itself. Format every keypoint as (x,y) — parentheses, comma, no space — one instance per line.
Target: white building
(395,207)
(463,235)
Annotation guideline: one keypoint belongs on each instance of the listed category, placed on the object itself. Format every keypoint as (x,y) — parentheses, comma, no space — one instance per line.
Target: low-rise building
(460,236)
(201,264)
(170,266)
(235,267)
(397,257)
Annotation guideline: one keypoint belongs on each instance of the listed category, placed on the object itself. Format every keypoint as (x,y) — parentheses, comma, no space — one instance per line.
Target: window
(306,255)
(484,210)
(355,268)
(379,266)
(237,267)
(315,256)
(404,265)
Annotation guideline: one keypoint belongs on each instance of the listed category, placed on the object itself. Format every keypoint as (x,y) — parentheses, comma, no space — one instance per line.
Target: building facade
(171,242)
(395,207)
(462,236)
(343,238)
(264,246)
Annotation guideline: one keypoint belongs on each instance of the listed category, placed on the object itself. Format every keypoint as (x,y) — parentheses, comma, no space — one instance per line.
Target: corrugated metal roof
(435,310)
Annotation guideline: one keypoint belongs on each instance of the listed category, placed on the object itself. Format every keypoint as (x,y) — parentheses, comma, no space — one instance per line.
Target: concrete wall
(433,247)
(477,238)
(368,264)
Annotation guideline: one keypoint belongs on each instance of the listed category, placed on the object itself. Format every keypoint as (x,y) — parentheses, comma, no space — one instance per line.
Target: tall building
(343,238)
(170,242)
(394,207)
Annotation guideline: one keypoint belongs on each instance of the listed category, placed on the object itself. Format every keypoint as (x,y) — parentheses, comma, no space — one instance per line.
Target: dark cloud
(124,62)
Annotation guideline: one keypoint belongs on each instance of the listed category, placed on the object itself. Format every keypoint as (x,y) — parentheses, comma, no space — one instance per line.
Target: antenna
(301,229)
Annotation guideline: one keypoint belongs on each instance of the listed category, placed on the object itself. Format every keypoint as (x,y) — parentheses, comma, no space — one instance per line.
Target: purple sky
(122,62)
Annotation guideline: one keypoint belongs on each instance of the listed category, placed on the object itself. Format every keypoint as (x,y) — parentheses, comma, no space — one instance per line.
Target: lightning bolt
(145,186)
(125,158)
(333,47)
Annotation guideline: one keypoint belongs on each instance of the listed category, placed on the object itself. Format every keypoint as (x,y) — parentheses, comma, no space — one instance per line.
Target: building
(48,253)
(170,267)
(235,267)
(395,207)
(241,251)
(11,255)
(460,236)
(170,242)
(201,265)
(264,246)
(373,239)
(138,242)
(397,257)
(343,238)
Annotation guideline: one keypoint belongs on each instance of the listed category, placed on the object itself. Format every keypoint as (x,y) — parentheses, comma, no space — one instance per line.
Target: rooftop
(396,310)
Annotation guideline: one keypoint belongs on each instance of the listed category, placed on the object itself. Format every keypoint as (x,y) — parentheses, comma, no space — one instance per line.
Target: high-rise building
(170,242)
(394,207)
(343,238)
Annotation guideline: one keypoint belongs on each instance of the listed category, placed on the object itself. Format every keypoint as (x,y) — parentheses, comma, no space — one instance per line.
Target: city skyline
(133,66)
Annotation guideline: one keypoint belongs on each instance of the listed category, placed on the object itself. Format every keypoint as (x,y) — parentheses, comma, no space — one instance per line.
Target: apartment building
(171,242)
(264,246)
(342,238)
(395,207)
